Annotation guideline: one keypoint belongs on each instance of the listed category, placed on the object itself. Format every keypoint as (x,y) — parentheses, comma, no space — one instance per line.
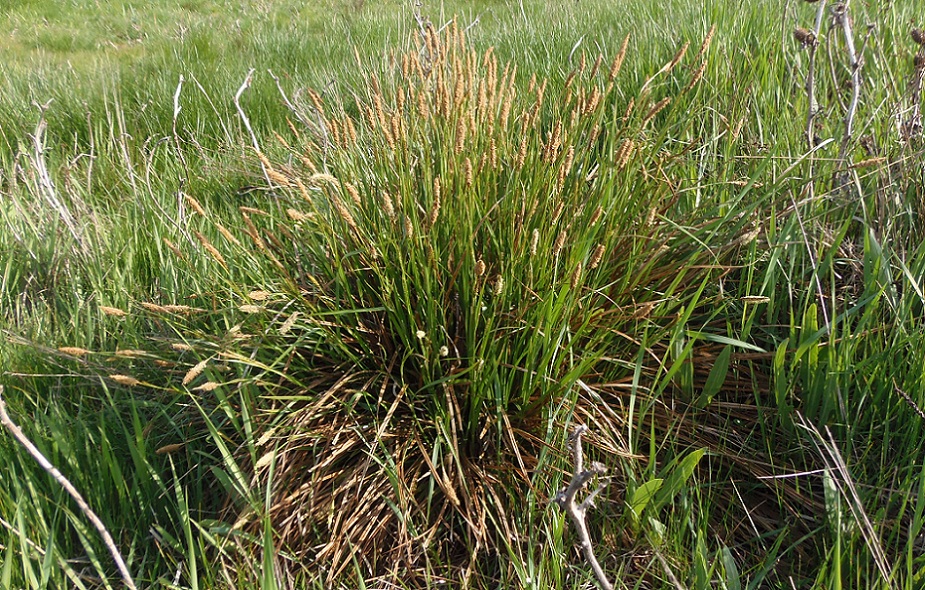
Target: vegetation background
(312,294)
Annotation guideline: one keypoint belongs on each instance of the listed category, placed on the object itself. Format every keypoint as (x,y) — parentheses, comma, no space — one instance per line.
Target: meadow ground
(313,294)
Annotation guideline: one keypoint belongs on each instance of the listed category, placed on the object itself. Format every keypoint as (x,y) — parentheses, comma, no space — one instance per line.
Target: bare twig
(237,103)
(45,184)
(565,499)
(63,482)
(840,14)
(813,43)
(320,126)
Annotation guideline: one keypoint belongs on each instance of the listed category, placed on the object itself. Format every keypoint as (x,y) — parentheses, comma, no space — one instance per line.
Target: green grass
(379,344)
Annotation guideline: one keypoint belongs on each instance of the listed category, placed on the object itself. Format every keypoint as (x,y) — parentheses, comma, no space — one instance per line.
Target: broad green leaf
(678,478)
(715,379)
(731,571)
(641,497)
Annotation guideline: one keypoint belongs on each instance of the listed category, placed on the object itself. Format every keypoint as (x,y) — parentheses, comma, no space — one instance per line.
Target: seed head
(287,325)
(918,35)
(195,372)
(499,286)
(173,248)
(409,227)
(125,380)
(212,250)
(227,234)
(113,311)
(534,241)
(678,56)
(479,267)
(167,449)
(596,257)
(194,204)
(804,37)
(656,109)
(596,216)
(618,60)
(387,206)
(74,350)
(576,277)
(559,243)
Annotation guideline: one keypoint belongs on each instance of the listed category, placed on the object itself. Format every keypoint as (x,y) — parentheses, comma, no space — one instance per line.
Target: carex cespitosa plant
(456,246)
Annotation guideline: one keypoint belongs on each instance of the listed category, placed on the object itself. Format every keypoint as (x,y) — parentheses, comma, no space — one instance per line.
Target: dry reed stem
(66,484)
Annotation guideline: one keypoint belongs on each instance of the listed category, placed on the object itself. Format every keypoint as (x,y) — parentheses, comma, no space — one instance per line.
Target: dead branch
(565,499)
(63,482)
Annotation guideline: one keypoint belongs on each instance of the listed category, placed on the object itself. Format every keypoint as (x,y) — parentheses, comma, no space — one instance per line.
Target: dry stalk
(47,186)
(63,482)
(840,14)
(812,43)
(565,499)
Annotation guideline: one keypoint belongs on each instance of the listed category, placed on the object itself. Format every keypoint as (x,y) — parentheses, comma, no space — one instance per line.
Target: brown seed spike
(706,42)
(804,37)
(618,60)
(918,35)
(576,277)
(596,257)
(656,109)
(678,56)
(479,267)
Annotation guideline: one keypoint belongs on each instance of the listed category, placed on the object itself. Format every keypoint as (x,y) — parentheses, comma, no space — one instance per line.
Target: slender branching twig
(840,14)
(565,500)
(812,42)
(63,482)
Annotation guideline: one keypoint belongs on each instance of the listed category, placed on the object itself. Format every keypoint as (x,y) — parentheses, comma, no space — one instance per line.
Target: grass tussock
(470,252)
